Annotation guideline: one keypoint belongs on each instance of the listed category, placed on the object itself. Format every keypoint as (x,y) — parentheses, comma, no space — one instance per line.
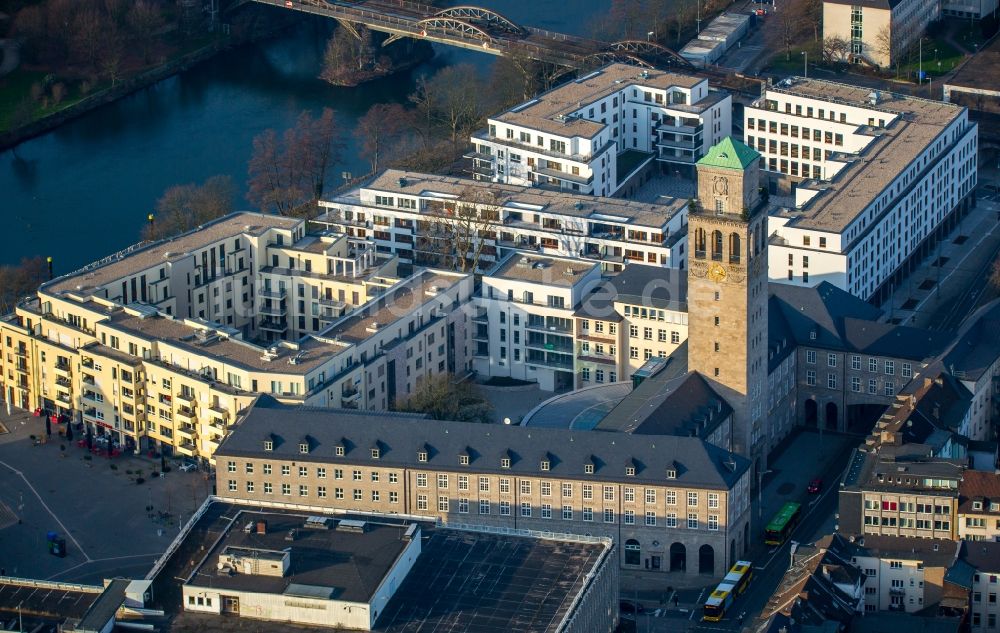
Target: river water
(83,190)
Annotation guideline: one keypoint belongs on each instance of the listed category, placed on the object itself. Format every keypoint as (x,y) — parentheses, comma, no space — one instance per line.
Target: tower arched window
(717,245)
(699,243)
(734,248)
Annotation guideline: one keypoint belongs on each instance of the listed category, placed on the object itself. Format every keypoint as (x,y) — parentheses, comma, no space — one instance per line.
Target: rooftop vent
(317,523)
(294,360)
(351,525)
(523,263)
(373,326)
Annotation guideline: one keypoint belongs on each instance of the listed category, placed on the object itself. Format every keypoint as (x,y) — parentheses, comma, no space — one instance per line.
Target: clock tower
(727,290)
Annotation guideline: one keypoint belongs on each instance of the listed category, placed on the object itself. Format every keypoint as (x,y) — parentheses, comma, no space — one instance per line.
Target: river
(84,190)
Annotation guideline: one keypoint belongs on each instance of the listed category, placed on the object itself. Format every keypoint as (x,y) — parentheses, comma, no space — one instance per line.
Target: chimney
(261,526)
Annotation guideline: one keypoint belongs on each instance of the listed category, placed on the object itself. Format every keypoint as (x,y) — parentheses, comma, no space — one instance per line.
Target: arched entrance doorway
(831,416)
(633,553)
(812,412)
(678,557)
(706,559)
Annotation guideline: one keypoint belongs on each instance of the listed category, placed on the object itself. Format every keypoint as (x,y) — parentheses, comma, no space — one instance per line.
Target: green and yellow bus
(781,526)
(732,585)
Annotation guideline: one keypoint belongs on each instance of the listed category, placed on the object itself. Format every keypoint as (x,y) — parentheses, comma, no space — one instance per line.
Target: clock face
(717,273)
(721,185)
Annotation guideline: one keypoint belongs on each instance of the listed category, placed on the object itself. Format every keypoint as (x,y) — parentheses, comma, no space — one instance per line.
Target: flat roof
(394,304)
(868,174)
(350,565)
(546,111)
(522,199)
(462,580)
(551,271)
(309,351)
(87,280)
(47,602)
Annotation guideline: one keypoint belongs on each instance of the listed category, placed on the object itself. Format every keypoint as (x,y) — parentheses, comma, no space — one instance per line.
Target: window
(811,377)
(484,506)
(546,510)
(713,521)
(356,475)
(232,467)
(811,356)
(422,502)
(525,509)
(692,521)
(609,493)
(267,469)
(356,494)
(588,514)
(628,517)
(872,365)
(303,490)
(505,508)
(567,490)
(671,497)
(484,484)
(442,481)
(629,494)
(443,503)
(505,486)
(856,362)
(463,506)
(286,489)
(567,513)
(421,480)
(890,368)
(692,499)
(671,519)
(713,500)
(268,489)
(545,488)
(609,515)
(375,476)
(831,360)
(525,487)
(232,485)
(321,473)
(338,473)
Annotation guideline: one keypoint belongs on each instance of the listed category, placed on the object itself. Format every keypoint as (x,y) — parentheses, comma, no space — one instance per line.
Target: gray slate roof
(830,318)
(402,437)
(652,286)
(977,348)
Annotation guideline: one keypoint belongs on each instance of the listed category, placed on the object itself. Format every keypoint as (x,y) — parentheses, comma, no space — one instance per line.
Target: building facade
(681,506)
(880,32)
(425,219)
(878,180)
(597,134)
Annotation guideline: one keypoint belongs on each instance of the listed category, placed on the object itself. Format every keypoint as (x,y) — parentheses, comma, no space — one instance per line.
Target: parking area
(111,524)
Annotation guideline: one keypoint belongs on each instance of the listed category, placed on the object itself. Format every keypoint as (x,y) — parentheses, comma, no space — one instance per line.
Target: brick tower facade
(727,290)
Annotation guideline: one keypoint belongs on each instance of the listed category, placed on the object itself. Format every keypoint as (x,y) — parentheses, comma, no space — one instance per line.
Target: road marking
(696,602)
(812,508)
(103,560)
(47,508)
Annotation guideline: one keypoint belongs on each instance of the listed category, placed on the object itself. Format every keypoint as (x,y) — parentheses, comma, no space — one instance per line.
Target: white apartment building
(880,32)
(878,179)
(903,574)
(968,8)
(416,217)
(524,326)
(984,557)
(596,134)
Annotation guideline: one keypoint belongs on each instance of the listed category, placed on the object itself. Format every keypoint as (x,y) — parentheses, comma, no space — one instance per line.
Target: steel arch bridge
(484,18)
(649,53)
(453,26)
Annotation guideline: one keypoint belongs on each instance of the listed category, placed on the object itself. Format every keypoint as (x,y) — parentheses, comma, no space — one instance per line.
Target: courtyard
(112,525)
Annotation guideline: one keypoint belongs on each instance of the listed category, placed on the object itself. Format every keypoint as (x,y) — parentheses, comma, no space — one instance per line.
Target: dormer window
(303,447)
(375,453)
(339,451)
(545,464)
(504,462)
(422,456)
(463,460)
(977,505)
(630,471)
(268,445)
(671,473)
(994,506)
(588,469)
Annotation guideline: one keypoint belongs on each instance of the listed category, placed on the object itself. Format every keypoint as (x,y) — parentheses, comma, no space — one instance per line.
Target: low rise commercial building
(880,32)
(379,573)
(879,179)
(602,133)
(671,503)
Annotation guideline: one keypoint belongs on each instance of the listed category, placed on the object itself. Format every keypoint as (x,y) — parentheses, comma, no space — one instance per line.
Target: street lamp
(760,491)
(805,65)
(649,36)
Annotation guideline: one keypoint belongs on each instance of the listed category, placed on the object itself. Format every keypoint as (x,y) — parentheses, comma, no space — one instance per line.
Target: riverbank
(12,138)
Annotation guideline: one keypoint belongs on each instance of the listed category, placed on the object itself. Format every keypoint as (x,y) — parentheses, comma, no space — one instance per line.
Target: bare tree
(286,175)
(185,207)
(884,47)
(456,236)
(144,19)
(17,282)
(379,129)
(836,49)
(460,99)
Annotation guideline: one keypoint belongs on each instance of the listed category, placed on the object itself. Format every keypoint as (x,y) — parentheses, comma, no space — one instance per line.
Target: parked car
(630,608)
(815,486)
(187,467)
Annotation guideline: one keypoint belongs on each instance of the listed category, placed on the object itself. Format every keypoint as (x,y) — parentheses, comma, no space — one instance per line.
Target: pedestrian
(676,600)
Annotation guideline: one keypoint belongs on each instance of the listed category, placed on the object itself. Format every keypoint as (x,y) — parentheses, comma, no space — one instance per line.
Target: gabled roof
(825,316)
(730,154)
(984,556)
(686,406)
(978,485)
(404,436)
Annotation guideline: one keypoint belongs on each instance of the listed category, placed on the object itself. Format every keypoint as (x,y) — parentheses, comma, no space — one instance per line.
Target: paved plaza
(100,511)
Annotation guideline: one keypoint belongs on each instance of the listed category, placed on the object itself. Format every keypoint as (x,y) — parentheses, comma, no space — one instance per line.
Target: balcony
(21,352)
(551,360)
(186,431)
(597,336)
(88,363)
(565,176)
(64,400)
(549,327)
(681,128)
(66,382)
(185,414)
(277,311)
(186,447)
(591,357)
(87,379)
(897,591)
(186,398)
(63,369)
(272,325)
(21,366)
(550,346)
(684,144)
(333,303)
(269,293)
(90,396)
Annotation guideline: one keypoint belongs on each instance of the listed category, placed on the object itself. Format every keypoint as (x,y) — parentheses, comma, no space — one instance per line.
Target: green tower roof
(730,154)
